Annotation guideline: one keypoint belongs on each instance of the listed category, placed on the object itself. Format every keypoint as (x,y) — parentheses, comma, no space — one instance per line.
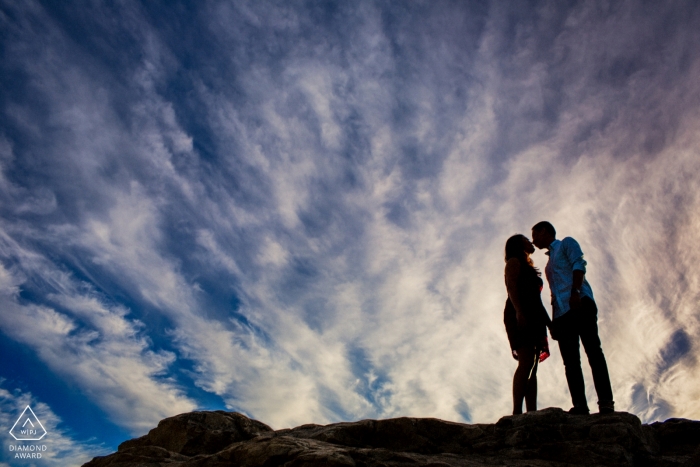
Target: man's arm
(578,264)
(575,300)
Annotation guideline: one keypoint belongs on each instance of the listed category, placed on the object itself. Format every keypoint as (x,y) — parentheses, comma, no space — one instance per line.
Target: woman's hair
(515,248)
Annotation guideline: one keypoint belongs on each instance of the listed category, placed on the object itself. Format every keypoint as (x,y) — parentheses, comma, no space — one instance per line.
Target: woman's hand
(544,349)
(515,354)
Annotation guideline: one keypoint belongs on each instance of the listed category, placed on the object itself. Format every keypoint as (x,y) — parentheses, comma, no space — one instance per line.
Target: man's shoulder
(566,241)
(571,246)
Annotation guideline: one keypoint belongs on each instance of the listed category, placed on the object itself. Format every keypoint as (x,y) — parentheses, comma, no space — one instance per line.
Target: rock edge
(548,437)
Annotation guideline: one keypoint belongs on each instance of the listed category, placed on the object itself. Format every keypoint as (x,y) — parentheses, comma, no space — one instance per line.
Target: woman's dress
(534,332)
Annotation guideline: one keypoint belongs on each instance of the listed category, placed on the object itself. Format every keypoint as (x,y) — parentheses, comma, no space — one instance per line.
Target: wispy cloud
(93,344)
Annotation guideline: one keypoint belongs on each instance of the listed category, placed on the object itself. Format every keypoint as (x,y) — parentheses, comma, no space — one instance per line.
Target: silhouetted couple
(574,318)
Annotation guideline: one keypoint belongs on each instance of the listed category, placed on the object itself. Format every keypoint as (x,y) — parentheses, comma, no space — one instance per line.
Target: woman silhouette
(526,320)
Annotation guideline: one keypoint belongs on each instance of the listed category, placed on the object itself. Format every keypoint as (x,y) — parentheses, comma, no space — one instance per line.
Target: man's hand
(515,354)
(575,300)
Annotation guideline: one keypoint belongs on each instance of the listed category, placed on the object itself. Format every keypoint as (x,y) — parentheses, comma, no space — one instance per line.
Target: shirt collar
(554,243)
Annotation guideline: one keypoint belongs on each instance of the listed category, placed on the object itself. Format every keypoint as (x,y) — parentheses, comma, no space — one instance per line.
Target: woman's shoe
(579,411)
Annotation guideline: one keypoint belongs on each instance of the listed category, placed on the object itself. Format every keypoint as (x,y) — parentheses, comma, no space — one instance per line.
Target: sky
(297,210)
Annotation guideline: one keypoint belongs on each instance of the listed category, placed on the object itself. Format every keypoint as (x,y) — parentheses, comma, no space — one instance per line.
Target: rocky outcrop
(548,437)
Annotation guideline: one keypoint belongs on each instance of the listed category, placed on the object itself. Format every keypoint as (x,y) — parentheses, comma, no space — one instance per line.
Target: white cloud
(108,356)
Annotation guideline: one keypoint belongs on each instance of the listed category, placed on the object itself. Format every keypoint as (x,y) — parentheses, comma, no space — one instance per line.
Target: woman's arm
(512,275)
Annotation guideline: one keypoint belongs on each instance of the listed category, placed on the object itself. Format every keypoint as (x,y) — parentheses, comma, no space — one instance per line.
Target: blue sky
(297,210)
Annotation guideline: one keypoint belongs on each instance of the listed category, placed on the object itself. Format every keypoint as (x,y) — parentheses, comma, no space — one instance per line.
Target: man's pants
(583,324)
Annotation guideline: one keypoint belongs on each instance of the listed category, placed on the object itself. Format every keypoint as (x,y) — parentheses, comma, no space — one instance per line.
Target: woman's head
(519,246)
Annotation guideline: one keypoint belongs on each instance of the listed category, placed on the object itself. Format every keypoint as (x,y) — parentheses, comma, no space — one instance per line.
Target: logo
(28,427)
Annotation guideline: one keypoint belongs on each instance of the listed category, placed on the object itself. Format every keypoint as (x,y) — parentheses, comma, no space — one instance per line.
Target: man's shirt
(565,257)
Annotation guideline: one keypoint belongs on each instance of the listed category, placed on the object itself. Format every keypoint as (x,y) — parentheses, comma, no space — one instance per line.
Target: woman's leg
(526,362)
(531,394)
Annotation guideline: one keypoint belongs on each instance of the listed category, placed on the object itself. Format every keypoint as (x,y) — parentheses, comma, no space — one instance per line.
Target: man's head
(543,234)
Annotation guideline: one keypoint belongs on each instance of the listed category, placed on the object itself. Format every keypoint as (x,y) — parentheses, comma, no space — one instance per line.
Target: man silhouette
(574,317)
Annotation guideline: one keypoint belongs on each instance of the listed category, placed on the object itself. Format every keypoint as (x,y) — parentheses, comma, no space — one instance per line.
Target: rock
(680,438)
(188,435)
(548,437)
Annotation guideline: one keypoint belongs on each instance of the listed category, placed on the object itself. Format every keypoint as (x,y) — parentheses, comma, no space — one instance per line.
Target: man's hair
(544,225)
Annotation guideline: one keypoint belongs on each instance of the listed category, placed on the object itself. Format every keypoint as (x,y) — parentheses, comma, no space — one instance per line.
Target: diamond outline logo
(32,423)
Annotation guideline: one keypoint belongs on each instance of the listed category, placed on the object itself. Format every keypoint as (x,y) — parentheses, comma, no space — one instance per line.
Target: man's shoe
(579,411)
(607,407)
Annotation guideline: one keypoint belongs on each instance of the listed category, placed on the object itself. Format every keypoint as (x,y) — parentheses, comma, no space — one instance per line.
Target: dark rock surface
(548,437)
